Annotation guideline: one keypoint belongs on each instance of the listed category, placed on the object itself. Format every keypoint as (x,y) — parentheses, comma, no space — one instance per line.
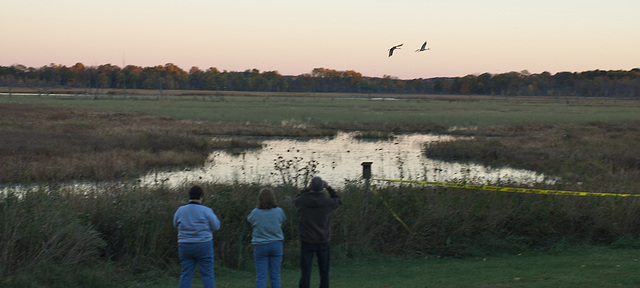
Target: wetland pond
(339,160)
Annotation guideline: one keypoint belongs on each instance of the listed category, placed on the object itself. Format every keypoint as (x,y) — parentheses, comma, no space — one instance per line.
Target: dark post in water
(366,175)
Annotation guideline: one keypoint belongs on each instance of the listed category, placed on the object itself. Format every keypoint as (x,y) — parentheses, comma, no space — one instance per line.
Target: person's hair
(267,199)
(195,192)
(316,184)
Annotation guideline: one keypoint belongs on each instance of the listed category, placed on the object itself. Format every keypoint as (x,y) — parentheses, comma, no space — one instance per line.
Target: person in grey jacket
(196,224)
(314,228)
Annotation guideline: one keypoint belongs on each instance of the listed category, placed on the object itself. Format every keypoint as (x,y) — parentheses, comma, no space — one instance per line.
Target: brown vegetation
(43,143)
(46,143)
(597,156)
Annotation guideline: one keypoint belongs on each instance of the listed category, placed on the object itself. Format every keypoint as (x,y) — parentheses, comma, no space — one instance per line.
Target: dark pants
(307,250)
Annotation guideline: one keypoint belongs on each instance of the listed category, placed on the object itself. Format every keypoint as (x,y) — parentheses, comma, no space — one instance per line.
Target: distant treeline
(614,83)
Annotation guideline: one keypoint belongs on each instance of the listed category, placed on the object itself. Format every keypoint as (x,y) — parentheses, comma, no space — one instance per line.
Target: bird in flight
(394,48)
(423,48)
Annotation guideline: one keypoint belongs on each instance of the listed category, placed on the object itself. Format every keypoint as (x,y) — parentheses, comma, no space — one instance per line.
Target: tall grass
(49,144)
(596,156)
(44,228)
(130,227)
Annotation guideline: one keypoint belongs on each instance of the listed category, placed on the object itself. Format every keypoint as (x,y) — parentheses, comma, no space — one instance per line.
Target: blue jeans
(268,258)
(192,254)
(307,250)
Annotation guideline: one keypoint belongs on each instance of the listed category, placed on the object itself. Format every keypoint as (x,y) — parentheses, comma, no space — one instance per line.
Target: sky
(295,36)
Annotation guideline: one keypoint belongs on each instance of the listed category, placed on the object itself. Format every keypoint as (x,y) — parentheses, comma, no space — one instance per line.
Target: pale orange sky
(295,36)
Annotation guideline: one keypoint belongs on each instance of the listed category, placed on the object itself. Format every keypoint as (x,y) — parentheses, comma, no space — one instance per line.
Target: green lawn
(587,267)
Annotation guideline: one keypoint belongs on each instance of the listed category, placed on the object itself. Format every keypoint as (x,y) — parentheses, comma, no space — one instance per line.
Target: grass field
(597,267)
(315,109)
(578,267)
(529,240)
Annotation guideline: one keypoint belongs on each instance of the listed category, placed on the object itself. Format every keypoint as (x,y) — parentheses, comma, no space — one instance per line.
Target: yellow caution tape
(509,189)
(392,212)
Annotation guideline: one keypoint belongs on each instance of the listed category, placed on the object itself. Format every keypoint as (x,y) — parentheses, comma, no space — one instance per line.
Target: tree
(614,83)
(196,78)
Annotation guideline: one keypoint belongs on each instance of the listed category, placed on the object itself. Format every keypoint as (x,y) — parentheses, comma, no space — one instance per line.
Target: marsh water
(338,160)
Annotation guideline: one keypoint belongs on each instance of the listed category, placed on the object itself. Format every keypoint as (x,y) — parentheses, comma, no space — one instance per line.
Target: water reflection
(338,159)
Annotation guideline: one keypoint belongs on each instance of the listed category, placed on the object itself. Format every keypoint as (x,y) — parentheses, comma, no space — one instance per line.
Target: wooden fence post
(366,175)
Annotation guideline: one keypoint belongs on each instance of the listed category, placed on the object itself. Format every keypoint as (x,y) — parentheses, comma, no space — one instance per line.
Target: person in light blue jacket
(196,224)
(267,238)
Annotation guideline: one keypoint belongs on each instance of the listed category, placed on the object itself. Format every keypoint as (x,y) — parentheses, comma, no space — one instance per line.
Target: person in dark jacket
(314,228)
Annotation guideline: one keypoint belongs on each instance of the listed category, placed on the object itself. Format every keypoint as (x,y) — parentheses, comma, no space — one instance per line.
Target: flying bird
(423,48)
(394,48)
